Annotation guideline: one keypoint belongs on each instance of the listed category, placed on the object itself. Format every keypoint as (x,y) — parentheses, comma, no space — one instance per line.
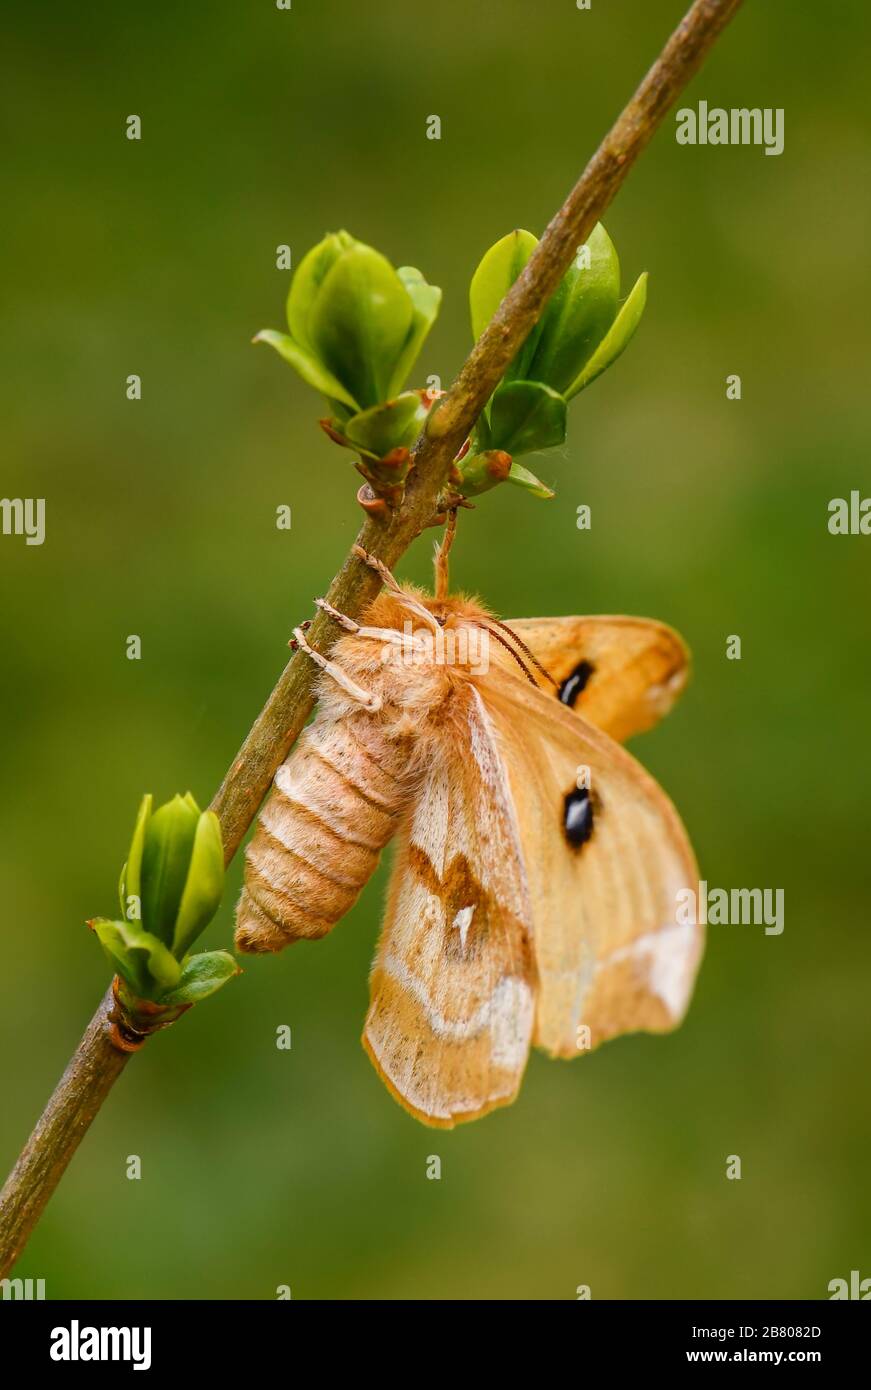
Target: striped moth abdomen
(335,804)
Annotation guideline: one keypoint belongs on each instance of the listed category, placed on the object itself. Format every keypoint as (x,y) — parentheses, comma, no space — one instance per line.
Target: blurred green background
(263,127)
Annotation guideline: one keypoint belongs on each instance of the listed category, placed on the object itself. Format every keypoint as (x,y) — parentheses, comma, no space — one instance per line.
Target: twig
(93,1070)
(98,1061)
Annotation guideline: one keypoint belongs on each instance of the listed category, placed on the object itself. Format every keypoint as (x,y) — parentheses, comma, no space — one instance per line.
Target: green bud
(356,324)
(176,866)
(175,872)
(582,330)
(204,885)
(306,283)
(141,960)
(166,854)
(481,471)
(359,321)
(395,424)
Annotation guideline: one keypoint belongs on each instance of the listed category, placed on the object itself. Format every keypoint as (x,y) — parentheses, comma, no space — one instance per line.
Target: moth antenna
(523,647)
(378,565)
(389,582)
(511,652)
(442,552)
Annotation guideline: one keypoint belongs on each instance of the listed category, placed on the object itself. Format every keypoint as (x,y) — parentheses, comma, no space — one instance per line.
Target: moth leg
(379,634)
(341,618)
(366,698)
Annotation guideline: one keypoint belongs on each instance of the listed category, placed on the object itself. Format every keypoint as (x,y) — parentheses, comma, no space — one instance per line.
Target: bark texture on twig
(93,1070)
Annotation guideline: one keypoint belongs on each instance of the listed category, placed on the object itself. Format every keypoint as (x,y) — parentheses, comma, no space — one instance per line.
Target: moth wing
(452,988)
(611,950)
(627,672)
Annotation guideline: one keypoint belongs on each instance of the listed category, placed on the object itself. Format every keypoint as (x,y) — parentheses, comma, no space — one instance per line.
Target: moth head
(456,609)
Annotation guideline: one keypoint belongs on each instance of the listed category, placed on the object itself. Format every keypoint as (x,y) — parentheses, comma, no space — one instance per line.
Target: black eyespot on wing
(575,683)
(578,816)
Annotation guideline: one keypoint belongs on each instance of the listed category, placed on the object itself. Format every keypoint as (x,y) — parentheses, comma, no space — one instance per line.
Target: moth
(532,901)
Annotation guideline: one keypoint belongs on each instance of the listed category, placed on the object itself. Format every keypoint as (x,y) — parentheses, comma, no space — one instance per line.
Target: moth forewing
(453,985)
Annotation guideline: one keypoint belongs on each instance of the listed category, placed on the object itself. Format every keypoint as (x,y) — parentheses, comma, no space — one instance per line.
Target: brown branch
(93,1070)
(98,1060)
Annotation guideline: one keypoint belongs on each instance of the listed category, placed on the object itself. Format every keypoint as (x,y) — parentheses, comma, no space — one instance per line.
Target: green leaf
(201,976)
(522,477)
(391,425)
(341,411)
(312,372)
(425,301)
(360,321)
(137,956)
(616,339)
(306,283)
(579,314)
(169,840)
(480,440)
(122,889)
(496,273)
(526,416)
(204,886)
(498,269)
(130,885)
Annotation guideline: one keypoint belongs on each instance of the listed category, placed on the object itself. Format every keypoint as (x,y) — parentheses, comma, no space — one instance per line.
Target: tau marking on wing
(462,922)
